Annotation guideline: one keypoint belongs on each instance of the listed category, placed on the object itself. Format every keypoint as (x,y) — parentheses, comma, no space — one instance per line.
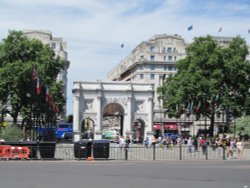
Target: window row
(153,67)
(151,76)
(164,49)
(164,58)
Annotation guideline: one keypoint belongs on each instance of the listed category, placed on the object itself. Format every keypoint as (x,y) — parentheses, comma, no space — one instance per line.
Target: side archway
(87,129)
(139,130)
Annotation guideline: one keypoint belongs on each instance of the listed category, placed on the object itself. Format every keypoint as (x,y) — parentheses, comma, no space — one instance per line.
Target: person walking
(122,142)
(153,142)
(203,144)
(146,142)
(190,146)
(240,148)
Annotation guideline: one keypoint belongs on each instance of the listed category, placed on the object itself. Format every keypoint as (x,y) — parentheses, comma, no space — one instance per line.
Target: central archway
(113,115)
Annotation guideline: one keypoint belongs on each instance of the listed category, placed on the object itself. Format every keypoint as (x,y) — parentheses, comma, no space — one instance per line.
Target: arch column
(98,132)
(148,129)
(128,122)
(76,124)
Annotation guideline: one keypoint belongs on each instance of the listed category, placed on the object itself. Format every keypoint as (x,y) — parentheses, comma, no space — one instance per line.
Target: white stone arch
(90,99)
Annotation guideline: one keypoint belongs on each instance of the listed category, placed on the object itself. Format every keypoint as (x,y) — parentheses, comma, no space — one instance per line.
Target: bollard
(224,153)
(206,153)
(154,152)
(126,153)
(180,148)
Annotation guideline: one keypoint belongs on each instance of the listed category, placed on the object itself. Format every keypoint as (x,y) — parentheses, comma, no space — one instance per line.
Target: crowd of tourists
(232,147)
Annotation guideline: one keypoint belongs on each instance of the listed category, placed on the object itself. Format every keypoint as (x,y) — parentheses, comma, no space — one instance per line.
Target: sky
(95,29)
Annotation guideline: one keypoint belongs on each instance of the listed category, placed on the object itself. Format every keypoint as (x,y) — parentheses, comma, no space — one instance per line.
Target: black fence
(101,150)
(138,152)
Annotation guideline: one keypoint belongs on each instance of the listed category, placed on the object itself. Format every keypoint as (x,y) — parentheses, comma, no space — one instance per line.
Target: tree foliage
(211,79)
(19,56)
(11,133)
(243,126)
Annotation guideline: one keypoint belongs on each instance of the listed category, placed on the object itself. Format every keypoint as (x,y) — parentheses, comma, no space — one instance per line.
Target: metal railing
(131,153)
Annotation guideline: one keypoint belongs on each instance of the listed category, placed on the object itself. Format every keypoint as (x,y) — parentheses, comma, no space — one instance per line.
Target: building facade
(60,49)
(151,62)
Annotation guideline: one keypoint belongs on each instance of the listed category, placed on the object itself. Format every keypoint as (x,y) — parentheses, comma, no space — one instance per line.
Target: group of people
(123,142)
(230,145)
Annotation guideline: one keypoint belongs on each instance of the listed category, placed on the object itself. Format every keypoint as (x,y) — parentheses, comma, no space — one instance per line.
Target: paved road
(125,174)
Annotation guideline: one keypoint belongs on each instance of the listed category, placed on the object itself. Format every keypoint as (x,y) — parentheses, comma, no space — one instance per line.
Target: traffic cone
(90,158)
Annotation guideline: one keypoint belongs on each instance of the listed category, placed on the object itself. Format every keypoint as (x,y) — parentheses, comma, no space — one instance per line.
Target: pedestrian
(190,144)
(195,145)
(159,140)
(153,142)
(146,142)
(229,148)
(122,142)
(127,142)
(203,145)
(240,148)
(213,144)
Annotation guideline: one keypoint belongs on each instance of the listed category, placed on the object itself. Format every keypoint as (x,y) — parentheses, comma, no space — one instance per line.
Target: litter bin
(82,149)
(101,149)
(47,149)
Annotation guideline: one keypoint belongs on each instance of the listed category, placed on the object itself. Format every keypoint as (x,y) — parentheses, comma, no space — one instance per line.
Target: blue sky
(95,29)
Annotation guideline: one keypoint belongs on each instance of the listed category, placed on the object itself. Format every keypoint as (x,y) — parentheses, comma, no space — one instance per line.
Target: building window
(170,59)
(141,76)
(164,58)
(141,67)
(152,58)
(170,68)
(175,58)
(53,45)
(165,67)
(152,76)
(174,50)
(169,50)
(163,49)
(142,57)
(152,67)
(152,48)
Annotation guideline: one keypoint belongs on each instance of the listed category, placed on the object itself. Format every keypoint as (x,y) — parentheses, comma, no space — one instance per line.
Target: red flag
(34,74)
(38,85)
(47,93)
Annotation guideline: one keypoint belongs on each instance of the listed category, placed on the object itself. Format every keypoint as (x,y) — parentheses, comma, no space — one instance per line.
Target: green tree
(210,80)
(243,126)
(11,133)
(19,56)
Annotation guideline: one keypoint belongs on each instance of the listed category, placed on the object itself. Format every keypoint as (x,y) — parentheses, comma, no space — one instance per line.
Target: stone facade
(127,101)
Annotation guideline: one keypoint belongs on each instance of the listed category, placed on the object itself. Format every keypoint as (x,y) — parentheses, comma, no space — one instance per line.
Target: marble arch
(134,99)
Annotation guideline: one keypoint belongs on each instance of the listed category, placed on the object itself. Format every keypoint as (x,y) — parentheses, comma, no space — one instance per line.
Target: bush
(11,133)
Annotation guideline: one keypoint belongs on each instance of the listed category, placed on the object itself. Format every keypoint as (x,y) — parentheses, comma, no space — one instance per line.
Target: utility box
(101,149)
(82,149)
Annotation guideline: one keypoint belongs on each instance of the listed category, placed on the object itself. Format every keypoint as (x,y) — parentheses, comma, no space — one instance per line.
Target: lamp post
(30,115)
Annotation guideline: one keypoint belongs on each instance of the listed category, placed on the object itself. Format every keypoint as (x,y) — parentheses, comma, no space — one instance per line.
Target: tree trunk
(211,129)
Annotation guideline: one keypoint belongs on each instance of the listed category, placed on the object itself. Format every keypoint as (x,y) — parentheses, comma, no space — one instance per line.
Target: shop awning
(170,126)
(157,127)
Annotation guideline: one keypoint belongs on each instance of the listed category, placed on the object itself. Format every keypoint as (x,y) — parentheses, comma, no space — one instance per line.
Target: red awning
(170,126)
(157,127)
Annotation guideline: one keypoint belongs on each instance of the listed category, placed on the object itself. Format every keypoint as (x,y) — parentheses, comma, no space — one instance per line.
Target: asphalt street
(113,174)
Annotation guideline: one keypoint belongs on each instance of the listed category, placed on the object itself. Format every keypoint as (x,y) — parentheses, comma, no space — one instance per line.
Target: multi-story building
(151,62)
(59,47)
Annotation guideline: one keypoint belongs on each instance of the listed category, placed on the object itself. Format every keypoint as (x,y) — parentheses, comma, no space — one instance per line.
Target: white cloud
(95,29)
